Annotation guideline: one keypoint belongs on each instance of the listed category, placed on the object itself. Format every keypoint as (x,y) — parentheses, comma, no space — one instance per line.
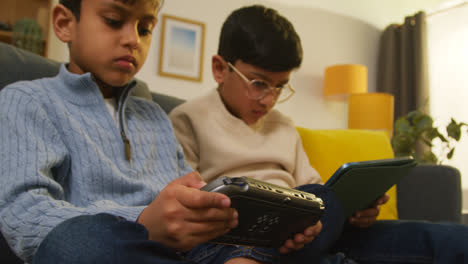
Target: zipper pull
(128,152)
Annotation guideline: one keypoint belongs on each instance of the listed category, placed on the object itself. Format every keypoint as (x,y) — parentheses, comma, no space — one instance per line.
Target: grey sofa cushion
(430,192)
(17,64)
(166,102)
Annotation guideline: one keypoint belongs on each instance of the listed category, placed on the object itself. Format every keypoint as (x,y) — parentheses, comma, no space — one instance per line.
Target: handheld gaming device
(268,214)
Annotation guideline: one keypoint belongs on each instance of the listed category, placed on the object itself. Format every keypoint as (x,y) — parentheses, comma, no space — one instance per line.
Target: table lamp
(371,111)
(344,79)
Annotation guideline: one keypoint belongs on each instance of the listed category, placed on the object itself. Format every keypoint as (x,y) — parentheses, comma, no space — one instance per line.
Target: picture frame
(181,48)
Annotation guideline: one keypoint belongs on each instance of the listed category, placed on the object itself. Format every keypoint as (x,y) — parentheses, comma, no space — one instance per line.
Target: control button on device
(238,181)
(227,180)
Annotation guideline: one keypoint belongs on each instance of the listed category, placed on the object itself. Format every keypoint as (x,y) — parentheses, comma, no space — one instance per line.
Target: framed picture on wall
(181,48)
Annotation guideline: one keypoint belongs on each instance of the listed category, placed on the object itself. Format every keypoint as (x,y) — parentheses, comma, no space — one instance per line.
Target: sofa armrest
(166,102)
(431,192)
(18,64)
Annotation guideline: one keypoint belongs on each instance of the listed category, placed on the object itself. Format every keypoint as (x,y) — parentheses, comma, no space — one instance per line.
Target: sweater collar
(81,89)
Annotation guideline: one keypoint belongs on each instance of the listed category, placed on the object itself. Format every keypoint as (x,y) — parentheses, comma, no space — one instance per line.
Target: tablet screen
(359,184)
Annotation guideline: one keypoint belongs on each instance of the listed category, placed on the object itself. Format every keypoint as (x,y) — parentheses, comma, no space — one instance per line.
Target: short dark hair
(75,5)
(260,36)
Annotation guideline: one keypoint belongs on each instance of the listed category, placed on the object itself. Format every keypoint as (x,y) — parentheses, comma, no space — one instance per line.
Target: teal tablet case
(359,184)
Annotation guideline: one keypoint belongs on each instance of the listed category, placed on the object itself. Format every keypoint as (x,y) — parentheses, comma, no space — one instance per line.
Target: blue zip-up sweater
(62,155)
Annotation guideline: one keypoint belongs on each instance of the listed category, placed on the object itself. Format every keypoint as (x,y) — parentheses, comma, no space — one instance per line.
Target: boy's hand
(182,216)
(301,239)
(367,217)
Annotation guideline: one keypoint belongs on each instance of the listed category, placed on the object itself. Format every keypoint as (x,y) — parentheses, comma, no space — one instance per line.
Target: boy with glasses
(235,131)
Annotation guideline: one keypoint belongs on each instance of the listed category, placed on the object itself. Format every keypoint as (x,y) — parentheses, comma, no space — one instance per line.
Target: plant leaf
(422,124)
(413,115)
(402,145)
(454,130)
(433,133)
(450,154)
(402,126)
(442,137)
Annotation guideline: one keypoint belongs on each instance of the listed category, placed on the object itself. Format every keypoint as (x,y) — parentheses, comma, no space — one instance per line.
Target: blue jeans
(405,242)
(386,242)
(105,238)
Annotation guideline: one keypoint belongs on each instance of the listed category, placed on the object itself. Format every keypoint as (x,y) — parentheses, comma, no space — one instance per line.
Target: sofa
(431,193)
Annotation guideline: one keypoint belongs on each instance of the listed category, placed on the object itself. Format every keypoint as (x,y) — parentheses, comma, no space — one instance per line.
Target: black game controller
(268,214)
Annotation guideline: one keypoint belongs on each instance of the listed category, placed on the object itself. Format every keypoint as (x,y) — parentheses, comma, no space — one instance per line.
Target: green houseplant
(414,135)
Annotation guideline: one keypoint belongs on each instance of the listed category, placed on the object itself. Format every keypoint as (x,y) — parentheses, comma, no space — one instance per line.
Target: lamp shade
(345,79)
(371,111)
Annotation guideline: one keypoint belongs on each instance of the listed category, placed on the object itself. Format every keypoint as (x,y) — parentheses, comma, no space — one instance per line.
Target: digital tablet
(359,184)
(268,214)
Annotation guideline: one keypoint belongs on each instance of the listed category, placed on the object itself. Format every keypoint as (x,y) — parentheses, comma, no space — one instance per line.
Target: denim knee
(101,238)
(219,253)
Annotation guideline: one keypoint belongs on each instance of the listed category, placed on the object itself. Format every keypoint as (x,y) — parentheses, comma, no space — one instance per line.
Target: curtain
(402,65)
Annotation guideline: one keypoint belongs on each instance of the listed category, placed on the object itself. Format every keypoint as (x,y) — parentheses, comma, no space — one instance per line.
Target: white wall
(327,39)
(448,65)
(332,32)
(378,13)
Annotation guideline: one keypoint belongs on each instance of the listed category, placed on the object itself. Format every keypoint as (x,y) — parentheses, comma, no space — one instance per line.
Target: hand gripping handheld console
(268,214)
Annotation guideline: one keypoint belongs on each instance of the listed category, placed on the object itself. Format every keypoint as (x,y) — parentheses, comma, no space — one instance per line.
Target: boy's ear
(63,22)
(219,68)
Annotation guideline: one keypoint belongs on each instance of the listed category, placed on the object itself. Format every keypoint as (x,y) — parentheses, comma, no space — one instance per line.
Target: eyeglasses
(257,89)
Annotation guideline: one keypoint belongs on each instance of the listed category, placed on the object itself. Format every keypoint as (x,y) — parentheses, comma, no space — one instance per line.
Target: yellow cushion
(329,149)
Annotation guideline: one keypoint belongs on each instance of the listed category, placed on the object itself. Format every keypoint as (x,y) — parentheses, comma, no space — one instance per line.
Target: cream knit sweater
(216,143)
